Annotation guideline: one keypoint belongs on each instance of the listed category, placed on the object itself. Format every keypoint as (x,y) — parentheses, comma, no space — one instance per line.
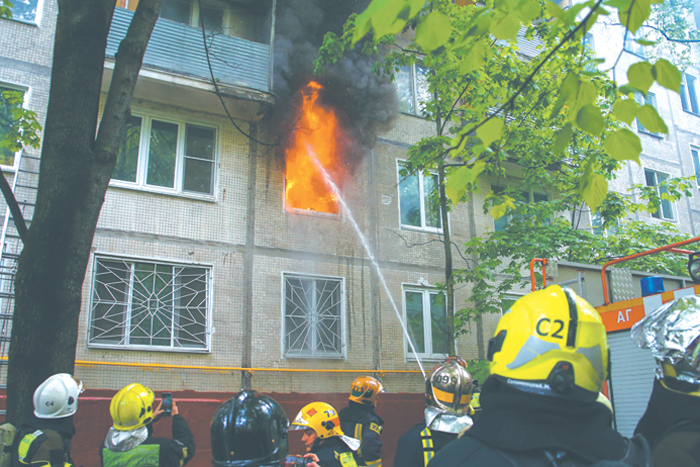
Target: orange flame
(317,128)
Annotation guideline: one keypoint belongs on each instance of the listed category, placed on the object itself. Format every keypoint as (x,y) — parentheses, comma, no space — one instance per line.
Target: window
(632,46)
(26,11)
(523,196)
(313,317)
(695,152)
(507,301)
(650,99)
(173,156)
(426,319)
(419,203)
(147,305)
(412,88)
(689,94)
(246,19)
(9,99)
(597,226)
(654,179)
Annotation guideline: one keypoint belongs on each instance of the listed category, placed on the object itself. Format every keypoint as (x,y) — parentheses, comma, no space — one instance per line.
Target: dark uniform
(671,424)
(44,441)
(361,422)
(419,444)
(333,452)
(154,452)
(519,428)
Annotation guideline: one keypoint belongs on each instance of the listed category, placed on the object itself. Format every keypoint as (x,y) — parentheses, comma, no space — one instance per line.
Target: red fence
(399,411)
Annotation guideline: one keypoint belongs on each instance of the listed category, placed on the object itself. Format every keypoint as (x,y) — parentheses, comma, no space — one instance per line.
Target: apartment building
(198,262)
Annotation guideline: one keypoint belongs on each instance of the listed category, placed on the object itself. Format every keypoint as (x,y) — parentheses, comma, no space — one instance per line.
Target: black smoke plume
(366,103)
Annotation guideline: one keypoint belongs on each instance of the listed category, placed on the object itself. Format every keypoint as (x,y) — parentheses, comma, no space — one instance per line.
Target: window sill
(156,191)
(439,358)
(649,133)
(312,357)
(422,117)
(636,54)
(21,21)
(146,348)
(428,230)
(691,113)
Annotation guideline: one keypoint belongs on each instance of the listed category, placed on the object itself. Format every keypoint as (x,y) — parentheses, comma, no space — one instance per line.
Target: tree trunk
(75,171)
(449,276)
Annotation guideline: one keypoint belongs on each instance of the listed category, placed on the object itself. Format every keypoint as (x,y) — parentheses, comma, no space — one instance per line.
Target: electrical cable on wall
(218,91)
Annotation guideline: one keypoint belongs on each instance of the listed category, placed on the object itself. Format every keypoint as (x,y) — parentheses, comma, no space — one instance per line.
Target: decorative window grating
(313,317)
(147,305)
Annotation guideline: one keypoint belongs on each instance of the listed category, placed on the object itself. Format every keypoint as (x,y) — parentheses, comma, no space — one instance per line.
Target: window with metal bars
(148,305)
(313,316)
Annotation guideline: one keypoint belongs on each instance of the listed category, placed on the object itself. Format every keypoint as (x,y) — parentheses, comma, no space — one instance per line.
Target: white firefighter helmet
(57,397)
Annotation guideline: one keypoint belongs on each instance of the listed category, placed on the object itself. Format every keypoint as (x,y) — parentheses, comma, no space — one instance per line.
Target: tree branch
(14,208)
(126,71)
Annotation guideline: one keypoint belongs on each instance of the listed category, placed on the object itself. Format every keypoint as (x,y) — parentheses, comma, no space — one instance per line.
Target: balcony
(175,69)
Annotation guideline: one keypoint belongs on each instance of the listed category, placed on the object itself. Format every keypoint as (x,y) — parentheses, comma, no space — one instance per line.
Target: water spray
(329,181)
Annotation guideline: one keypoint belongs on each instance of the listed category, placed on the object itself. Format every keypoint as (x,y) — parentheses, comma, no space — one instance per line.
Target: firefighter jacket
(419,444)
(333,452)
(520,428)
(138,448)
(43,442)
(361,422)
(671,424)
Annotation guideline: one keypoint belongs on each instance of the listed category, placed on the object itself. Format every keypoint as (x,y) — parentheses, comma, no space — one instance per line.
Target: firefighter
(324,438)
(671,422)
(549,358)
(44,439)
(249,430)
(360,419)
(447,395)
(130,441)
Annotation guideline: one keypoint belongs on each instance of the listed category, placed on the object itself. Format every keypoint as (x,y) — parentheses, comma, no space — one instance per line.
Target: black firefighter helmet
(249,430)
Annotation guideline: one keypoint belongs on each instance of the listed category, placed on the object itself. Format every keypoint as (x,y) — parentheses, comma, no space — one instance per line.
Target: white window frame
(25,105)
(686,95)
(342,355)
(695,155)
(426,292)
(140,184)
(660,212)
(37,19)
(531,199)
(413,84)
(423,227)
(631,46)
(511,296)
(154,348)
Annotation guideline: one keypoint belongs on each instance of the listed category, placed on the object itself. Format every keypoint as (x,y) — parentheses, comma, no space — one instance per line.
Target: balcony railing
(179,48)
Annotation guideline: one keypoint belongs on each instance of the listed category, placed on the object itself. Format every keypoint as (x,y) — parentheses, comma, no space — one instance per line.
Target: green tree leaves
(649,118)
(459,181)
(590,119)
(639,75)
(623,145)
(625,110)
(434,31)
(491,131)
(667,75)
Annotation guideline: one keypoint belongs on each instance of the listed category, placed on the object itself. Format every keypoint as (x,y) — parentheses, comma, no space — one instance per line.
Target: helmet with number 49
(551,342)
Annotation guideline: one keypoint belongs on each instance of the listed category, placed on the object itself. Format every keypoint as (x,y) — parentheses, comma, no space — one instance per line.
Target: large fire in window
(317,133)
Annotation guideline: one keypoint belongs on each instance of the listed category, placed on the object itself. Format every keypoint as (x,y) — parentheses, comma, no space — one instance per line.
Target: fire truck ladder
(25,184)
